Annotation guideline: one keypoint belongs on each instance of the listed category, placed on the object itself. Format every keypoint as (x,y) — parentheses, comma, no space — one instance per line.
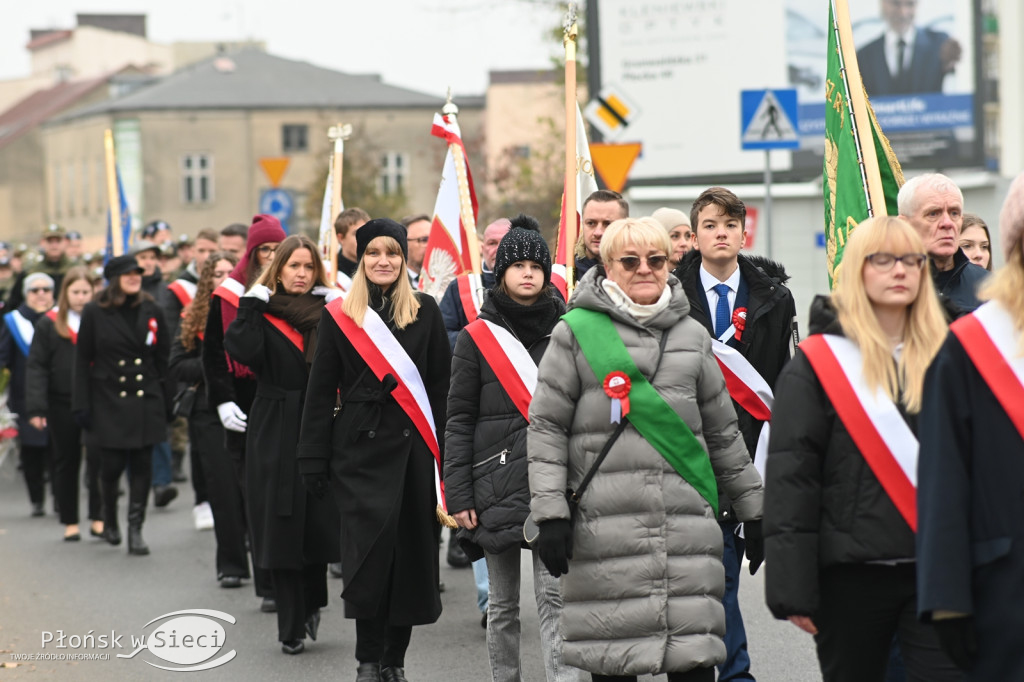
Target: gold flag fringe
(446,520)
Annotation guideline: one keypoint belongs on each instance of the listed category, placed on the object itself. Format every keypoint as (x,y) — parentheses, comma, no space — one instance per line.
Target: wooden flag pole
(465,200)
(113,200)
(571,30)
(337,134)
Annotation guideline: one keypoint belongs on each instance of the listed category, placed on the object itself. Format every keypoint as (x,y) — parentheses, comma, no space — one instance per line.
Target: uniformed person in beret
(54,262)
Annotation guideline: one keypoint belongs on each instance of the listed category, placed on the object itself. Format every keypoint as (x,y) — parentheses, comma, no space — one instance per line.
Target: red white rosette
(617,386)
(739,320)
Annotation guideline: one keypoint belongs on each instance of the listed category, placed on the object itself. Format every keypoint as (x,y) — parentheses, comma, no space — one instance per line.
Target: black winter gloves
(317,484)
(754,540)
(554,545)
(958,639)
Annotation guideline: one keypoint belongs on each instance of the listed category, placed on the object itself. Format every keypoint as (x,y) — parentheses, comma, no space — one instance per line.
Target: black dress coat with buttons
(290,527)
(121,376)
(381,470)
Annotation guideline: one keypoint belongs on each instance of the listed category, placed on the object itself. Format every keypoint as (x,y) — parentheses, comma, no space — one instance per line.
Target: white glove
(328,293)
(231,416)
(259,291)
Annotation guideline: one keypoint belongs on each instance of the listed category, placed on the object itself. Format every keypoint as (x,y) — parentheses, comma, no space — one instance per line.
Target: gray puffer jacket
(643,592)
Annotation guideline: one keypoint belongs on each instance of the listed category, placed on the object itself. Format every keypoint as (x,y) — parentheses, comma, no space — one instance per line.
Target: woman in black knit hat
(494,371)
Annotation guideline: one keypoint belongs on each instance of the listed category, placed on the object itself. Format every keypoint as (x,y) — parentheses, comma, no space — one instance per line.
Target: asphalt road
(49,586)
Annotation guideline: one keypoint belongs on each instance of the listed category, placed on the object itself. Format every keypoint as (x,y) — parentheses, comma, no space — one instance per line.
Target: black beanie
(381,227)
(522,242)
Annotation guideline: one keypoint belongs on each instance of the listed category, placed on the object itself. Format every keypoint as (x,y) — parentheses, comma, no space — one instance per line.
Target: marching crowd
(638,439)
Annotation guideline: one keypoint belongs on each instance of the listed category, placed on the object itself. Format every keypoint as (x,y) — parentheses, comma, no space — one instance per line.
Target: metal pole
(768,202)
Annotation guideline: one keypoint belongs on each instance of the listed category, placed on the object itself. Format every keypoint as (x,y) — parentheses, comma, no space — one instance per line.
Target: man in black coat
(726,290)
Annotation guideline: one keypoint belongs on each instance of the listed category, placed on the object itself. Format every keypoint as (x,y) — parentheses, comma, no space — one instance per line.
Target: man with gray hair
(934,205)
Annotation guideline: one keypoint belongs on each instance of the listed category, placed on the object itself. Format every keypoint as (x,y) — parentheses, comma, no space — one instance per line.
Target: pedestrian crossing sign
(769,119)
(611,112)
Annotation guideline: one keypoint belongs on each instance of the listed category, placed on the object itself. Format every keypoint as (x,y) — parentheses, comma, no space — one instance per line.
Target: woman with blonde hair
(384,353)
(294,534)
(840,512)
(971,537)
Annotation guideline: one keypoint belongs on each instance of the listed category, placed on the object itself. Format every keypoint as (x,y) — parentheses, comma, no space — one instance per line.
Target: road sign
(769,119)
(611,112)
(278,203)
(613,162)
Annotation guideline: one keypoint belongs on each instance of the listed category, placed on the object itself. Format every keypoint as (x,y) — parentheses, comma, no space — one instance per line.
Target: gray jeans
(503,618)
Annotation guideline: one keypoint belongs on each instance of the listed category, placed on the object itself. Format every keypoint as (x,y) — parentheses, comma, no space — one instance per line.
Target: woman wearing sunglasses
(840,512)
(629,374)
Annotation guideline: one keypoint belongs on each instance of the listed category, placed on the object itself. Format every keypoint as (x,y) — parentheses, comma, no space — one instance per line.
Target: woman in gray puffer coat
(643,561)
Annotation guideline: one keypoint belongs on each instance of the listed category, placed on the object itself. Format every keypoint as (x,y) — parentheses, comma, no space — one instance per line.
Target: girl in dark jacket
(839,498)
(206,434)
(48,401)
(485,456)
(16,335)
(120,390)
(380,460)
(294,534)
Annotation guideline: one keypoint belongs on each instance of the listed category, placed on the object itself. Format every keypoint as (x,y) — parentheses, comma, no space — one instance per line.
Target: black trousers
(299,593)
(139,462)
(378,642)
(35,460)
(262,579)
(66,452)
(695,675)
(862,607)
(210,459)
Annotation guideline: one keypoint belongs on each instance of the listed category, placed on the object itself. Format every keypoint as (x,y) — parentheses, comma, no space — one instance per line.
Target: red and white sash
(748,388)
(74,322)
(231,290)
(183,290)
(993,343)
(870,417)
(510,361)
(344,281)
(289,332)
(385,355)
(470,287)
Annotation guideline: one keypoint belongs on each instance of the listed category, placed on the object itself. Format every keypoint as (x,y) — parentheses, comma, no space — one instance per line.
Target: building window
(295,138)
(101,187)
(197,178)
(394,171)
(86,189)
(58,197)
(71,189)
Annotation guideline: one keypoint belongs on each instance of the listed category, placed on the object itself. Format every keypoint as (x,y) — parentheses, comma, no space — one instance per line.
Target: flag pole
(465,201)
(859,109)
(116,239)
(570,31)
(337,134)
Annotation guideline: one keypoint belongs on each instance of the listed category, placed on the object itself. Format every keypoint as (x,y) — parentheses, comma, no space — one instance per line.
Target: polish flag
(586,185)
(448,252)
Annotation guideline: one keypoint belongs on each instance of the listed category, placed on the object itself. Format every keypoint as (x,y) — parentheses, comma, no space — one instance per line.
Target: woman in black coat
(294,534)
(16,335)
(48,402)
(120,392)
(379,465)
(485,478)
(206,433)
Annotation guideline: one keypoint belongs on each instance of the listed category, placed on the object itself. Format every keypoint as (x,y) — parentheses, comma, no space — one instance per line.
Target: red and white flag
(448,252)
(586,185)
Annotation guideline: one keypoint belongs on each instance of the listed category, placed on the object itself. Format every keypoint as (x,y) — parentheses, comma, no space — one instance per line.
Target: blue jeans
(482,586)
(737,661)
(162,464)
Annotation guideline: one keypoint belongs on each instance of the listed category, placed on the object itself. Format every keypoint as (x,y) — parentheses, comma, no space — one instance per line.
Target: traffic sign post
(278,203)
(768,121)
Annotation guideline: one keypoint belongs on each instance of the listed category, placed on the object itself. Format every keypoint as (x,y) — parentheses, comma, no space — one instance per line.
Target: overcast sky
(421,44)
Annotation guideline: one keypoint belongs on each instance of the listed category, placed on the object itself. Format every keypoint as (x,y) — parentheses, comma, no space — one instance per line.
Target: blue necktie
(722,309)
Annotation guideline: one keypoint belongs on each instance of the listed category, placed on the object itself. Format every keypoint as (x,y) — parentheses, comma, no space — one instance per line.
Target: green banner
(654,418)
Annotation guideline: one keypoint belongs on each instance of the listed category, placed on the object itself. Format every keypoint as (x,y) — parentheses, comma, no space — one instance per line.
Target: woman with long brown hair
(206,433)
(294,534)
(48,401)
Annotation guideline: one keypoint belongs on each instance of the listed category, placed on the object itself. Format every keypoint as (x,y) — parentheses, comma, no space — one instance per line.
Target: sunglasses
(886,261)
(631,263)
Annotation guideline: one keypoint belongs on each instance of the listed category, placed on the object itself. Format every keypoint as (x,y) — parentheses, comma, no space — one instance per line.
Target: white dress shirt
(708,282)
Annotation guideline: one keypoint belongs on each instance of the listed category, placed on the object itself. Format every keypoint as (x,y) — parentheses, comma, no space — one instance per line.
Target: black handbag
(185,401)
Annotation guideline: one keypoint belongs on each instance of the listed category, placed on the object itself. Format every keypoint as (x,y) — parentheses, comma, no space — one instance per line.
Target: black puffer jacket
(959,286)
(764,342)
(485,443)
(823,504)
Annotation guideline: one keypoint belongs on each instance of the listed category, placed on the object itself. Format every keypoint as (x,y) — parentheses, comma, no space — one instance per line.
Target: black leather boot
(368,672)
(392,674)
(136,515)
(111,533)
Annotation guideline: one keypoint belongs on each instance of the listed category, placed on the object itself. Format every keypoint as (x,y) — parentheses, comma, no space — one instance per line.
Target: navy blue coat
(14,356)
(970,499)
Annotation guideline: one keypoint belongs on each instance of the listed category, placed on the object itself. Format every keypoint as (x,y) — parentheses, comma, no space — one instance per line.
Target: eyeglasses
(886,261)
(419,240)
(267,250)
(39,290)
(631,263)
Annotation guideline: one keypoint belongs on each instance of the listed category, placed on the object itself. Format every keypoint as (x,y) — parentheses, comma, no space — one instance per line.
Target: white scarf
(642,313)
